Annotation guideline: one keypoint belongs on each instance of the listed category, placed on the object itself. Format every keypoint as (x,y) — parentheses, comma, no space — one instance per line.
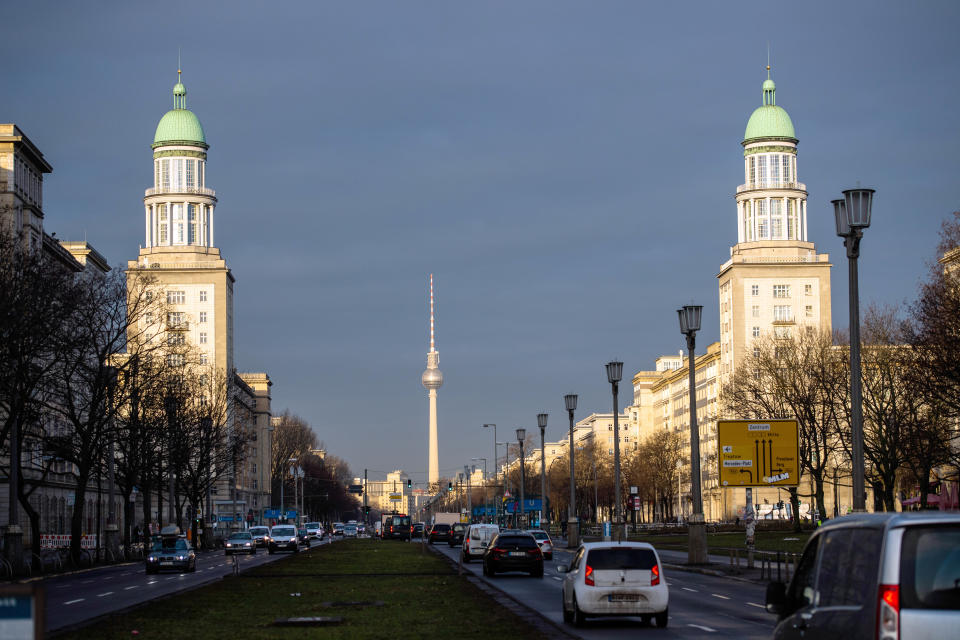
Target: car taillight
(499,551)
(888,612)
(588,576)
(535,551)
(655,575)
(466,542)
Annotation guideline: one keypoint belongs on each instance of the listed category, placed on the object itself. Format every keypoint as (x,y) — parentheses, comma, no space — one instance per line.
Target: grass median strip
(379,589)
(719,542)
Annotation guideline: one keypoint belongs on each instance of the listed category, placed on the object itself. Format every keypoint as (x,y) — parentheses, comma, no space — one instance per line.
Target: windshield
(621,558)
(170,544)
(258,531)
(283,531)
(312,525)
(243,535)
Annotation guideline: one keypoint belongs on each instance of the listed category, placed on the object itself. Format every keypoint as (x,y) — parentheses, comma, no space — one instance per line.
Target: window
(774,169)
(755,290)
(763,222)
(753,170)
(808,310)
(756,332)
(149,296)
(755,311)
(782,313)
(781,291)
(203,316)
(756,352)
(203,358)
(808,289)
(782,332)
(175,339)
(203,295)
(162,222)
(175,360)
(848,567)
(191,174)
(203,337)
(929,564)
(192,224)
(176,319)
(148,317)
(176,297)
(785,158)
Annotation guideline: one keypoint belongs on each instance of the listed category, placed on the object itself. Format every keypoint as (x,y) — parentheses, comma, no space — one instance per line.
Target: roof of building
(179,125)
(769,120)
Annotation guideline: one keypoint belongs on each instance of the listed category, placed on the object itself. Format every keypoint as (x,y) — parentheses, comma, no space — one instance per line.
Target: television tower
(432,379)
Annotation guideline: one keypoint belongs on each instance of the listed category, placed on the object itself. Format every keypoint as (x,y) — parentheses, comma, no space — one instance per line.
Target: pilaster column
(147,230)
(803,203)
(211,226)
(741,222)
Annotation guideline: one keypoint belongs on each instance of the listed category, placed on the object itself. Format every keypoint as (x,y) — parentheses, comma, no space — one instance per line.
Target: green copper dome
(769,120)
(179,125)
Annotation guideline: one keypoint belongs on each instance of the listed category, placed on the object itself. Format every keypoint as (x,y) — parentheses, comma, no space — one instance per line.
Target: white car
(314,530)
(543,541)
(349,531)
(476,539)
(615,579)
(283,537)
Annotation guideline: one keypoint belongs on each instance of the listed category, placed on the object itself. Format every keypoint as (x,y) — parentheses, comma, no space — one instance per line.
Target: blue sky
(567,171)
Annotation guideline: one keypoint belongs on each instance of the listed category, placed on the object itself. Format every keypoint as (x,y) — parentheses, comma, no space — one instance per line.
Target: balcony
(183,325)
(771,184)
(200,191)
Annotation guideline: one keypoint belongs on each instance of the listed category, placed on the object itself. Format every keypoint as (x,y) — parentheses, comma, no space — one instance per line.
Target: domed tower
(432,379)
(775,281)
(178,252)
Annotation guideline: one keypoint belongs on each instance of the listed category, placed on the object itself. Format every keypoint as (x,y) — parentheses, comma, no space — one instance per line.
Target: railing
(157,191)
(771,184)
(178,326)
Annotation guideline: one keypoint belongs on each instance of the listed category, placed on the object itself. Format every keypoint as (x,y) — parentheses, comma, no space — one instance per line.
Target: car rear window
(930,568)
(621,558)
(518,542)
(441,527)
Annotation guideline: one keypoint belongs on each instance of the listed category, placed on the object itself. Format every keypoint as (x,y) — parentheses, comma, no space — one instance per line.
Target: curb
(711,572)
(533,617)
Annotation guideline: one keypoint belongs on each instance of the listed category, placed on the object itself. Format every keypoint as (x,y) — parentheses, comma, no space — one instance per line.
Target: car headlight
(151,558)
(181,557)
(246,544)
(229,545)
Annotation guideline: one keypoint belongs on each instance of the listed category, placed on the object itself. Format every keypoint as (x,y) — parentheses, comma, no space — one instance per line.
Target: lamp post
(206,425)
(521,436)
(614,374)
(170,405)
(494,447)
(679,503)
(852,216)
(697,536)
(542,423)
(466,472)
(570,402)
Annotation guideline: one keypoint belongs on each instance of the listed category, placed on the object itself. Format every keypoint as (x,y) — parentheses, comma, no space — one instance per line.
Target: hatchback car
(283,537)
(439,532)
(476,539)
(350,531)
(881,575)
(240,542)
(513,552)
(614,579)
(260,535)
(543,539)
(171,552)
(337,529)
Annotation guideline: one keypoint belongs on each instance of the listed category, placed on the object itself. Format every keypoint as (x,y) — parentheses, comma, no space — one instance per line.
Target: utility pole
(366,520)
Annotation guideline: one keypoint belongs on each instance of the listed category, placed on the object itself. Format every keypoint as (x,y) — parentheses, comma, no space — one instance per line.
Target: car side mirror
(562,568)
(776,597)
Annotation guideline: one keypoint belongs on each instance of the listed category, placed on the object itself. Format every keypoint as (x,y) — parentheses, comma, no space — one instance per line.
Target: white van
(476,539)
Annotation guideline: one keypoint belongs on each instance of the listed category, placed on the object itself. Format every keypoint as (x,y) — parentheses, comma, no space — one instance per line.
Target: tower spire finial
(432,343)
(179,67)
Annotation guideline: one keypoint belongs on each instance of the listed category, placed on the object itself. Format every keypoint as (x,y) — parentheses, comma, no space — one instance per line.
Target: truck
(446,518)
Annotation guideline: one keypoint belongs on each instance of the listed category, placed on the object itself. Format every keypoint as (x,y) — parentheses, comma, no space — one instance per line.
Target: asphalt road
(701,606)
(83,596)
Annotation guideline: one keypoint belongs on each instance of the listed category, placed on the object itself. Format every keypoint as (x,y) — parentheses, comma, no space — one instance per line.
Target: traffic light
(449,486)
(409,483)
(366,510)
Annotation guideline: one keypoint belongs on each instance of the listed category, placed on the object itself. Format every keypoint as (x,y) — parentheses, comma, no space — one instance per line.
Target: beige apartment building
(180,254)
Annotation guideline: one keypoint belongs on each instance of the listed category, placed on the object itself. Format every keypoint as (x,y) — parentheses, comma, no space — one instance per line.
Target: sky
(567,170)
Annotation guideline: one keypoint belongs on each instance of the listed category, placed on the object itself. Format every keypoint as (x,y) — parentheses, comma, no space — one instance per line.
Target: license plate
(518,554)
(166,564)
(623,597)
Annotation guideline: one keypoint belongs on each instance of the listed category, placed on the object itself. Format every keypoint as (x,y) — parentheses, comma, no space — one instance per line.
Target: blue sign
(271,513)
(606,530)
(225,518)
(291,515)
(530,504)
(16,616)
(484,511)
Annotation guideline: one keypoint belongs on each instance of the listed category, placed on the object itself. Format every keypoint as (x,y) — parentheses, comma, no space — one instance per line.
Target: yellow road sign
(396,497)
(758,453)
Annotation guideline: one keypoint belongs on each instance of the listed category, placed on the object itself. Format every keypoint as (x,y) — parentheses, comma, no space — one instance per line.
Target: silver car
(171,552)
(884,576)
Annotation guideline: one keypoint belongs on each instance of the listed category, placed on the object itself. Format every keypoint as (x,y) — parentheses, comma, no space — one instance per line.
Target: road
(82,596)
(701,606)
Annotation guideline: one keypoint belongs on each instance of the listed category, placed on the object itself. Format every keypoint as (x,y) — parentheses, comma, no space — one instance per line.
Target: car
(349,531)
(543,539)
(615,579)
(240,542)
(513,552)
(314,530)
(171,551)
(418,529)
(439,532)
(260,535)
(877,575)
(337,529)
(283,537)
(303,537)
(456,533)
(361,529)
(476,539)
(397,527)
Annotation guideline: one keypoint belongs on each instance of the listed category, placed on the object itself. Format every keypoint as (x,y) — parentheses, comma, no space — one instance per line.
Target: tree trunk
(76,520)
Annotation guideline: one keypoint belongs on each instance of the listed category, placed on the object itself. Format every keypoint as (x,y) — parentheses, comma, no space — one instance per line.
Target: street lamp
(521,436)
(570,402)
(170,405)
(852,216)
(494,447)
(679,503)
(542,423)
(614,374)
(697,537)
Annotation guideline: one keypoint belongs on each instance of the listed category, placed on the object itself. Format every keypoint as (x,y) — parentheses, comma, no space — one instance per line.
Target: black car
(439,532)
(456,534)
(513,552)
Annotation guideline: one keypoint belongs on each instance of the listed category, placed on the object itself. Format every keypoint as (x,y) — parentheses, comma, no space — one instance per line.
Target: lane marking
(717,595)
(153,582)
(108,593)
(86,582)
(702,628)
(689,589)
(558,579)
(74,601)
(758,606)
(131,587)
